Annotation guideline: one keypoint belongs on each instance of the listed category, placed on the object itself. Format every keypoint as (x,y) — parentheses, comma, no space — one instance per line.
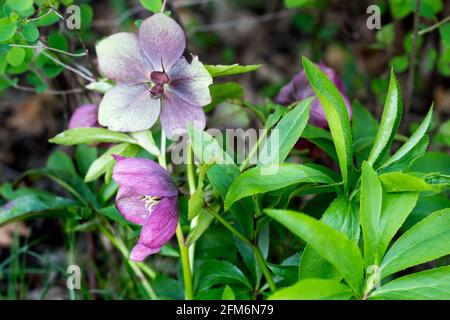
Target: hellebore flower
(148,197)
(299,88)
(152,78)
(85,116)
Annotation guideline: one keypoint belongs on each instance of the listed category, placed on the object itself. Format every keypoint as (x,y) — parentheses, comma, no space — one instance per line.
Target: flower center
(150,202)
(159,79)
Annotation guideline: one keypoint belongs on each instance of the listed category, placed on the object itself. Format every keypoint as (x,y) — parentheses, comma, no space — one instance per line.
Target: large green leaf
(89,136)
(390,120)
(403,182)
(336,114)
(332,245)
(364,129)
(431,284)
(427,240)
(285,134)
(314,289)
(413,148)
(370,212)
(342,216)
(263,179)
(213,272)
(35,206)
(224,70)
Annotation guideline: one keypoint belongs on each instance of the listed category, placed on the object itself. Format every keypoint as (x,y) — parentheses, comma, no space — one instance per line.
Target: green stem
(253,151)
(192,188)
(188,291)
(185,265)
(255,249)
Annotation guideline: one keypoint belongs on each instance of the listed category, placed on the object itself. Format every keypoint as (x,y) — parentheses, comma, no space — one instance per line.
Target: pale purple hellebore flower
(299,88)
(148,197)
(85,116)
(152,78)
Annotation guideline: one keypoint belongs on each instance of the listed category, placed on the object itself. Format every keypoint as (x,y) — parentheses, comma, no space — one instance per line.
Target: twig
(434,26)
(66,66)
(49,91)
(412,64)
(43,46)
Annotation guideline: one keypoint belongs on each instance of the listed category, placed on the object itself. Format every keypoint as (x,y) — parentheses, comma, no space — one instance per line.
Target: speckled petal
(159,228)
(176,114)
(190,82)
(141,176)
(85,116)
(128,108)
(130,205)
(162,40)
(120,58)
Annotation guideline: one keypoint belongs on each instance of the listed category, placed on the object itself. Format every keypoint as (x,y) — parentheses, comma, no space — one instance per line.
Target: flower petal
(128,108)
(85,116)
(120,58)
(176,114)
(190,82)
(144,177)
(159,227)
(130,205)
(140,252)
(162,41)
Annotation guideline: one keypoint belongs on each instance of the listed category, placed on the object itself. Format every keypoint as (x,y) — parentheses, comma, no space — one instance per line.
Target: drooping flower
(152,78)
(299,88)
(148,197)
(85,116)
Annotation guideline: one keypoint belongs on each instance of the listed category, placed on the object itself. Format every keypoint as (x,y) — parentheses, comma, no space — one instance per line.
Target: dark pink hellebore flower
(299,88)
(152,78)
(148,197)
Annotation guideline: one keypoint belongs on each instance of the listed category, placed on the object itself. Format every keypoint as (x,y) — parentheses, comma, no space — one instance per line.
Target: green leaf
(222,70)
(213,272)
(206,148)
(285,134)
(30,33)
(146,141)
(72,183)
(263,179)
(59,160)
(426,241)
(390,121)
(403,182)
(314,289)
(336,114)
(7,28)
(370,212)
(90,136)
(19,5)
(342,216)
(105,162)
(228,293)
(332,245)
(224,91)
(84,156)
(364,128)
(15,56)
(35,206)
(414,147)
(431,284)
(154,6)
(300,3)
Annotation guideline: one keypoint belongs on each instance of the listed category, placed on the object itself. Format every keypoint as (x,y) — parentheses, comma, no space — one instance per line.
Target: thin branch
(43,46)
(66,66)
(49,91)
(434,26)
